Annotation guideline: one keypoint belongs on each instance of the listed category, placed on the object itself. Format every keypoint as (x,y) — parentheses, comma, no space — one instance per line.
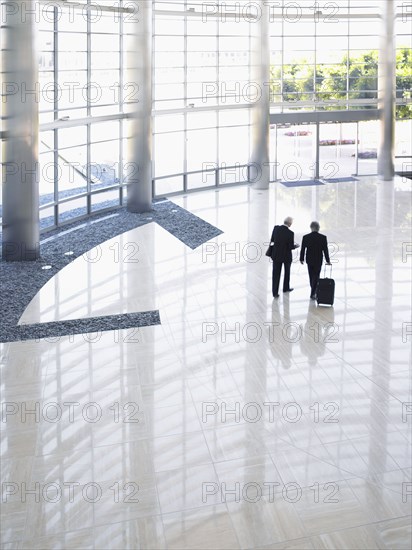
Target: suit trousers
(277,268)
(314,274)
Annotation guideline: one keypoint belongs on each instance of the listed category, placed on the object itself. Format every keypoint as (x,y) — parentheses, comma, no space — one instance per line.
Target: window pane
(105,163)
(233,146)
(201,149)
(46,176)
(72,209)
(168,185)
(72,171)
(69,137)
(47,218)
(169,153)
(109,199)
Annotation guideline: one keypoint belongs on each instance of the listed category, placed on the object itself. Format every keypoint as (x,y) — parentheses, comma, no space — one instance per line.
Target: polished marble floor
(240,421)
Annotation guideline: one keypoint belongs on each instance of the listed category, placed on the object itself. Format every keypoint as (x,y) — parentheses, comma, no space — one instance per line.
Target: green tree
(363,76)
(404,82)
(355,76)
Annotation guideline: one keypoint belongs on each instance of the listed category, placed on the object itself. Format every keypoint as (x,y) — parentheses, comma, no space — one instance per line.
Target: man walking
(315,245)
(283,244)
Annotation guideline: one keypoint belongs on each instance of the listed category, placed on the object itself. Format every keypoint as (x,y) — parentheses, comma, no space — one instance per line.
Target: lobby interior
(154,394)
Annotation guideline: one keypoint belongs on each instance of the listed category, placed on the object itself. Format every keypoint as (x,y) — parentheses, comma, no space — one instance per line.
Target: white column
(387,80)
(139,156)
(259,171)
(20,103)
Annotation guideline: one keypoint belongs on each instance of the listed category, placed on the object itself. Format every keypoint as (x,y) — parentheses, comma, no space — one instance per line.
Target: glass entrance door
(337,149)
(368,147)
(295,151)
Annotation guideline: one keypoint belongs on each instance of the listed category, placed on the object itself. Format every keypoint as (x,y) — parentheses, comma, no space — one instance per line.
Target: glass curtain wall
(201,73)
(324,57)
(82,55)
(403,132)
(201,101)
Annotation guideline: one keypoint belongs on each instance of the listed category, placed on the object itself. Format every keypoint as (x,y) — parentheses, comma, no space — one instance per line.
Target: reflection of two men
(316,333)
(311,337)
(280,338)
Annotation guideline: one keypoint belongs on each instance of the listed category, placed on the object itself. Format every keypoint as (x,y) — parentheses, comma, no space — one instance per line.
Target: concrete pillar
(20,106)
(259,171)
(139,155)
(387,80)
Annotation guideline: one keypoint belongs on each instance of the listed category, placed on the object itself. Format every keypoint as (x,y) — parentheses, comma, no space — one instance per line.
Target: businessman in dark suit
(283,244)
(316,246)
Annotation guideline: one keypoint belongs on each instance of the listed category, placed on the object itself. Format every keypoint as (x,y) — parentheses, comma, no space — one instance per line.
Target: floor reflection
(240,419)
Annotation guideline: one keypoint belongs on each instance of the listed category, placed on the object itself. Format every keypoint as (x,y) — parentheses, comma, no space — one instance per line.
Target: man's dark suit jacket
(282,237)
(315,245)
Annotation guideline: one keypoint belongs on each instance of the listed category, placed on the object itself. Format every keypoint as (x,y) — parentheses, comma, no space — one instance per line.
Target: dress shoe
(288,290)
(313,296)
(276,296)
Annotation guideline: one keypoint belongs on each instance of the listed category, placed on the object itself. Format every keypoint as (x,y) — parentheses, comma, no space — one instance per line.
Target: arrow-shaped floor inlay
(71,327)
(21,281)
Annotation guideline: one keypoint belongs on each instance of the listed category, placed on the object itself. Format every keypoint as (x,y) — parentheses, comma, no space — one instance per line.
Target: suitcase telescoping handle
(324,271)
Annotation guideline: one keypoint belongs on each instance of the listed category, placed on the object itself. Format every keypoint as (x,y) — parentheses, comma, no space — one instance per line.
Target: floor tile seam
(354,522)
(405,472)
(211,456)
(79,397)
(357,526)
(129,439)
(377,485)
(232,523)
(346,439)
(397,432)
(109,445)
(294,540)
(185,467)
(350,440)
(188,465)
(200,507)
(363,375)
(93,527)
(340,469)
(290,444)
(282,540)
(359,456)
(72,369)
(371,317)
(388,392)
(306,536)
(194,508)
(350,379)
(26,517)
(215,398)
(396,461)
(316,396)
(348,406)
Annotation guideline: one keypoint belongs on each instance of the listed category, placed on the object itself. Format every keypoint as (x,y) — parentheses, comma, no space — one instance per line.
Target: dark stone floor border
(343,179)
(404,174)
(82,326)
(21,281)
(301,183)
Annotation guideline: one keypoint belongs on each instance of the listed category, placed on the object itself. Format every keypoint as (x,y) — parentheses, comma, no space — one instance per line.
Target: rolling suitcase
(325,293)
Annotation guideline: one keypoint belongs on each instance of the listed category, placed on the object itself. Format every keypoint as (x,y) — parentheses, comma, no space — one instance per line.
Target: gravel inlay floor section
(21,281)
(83,326)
